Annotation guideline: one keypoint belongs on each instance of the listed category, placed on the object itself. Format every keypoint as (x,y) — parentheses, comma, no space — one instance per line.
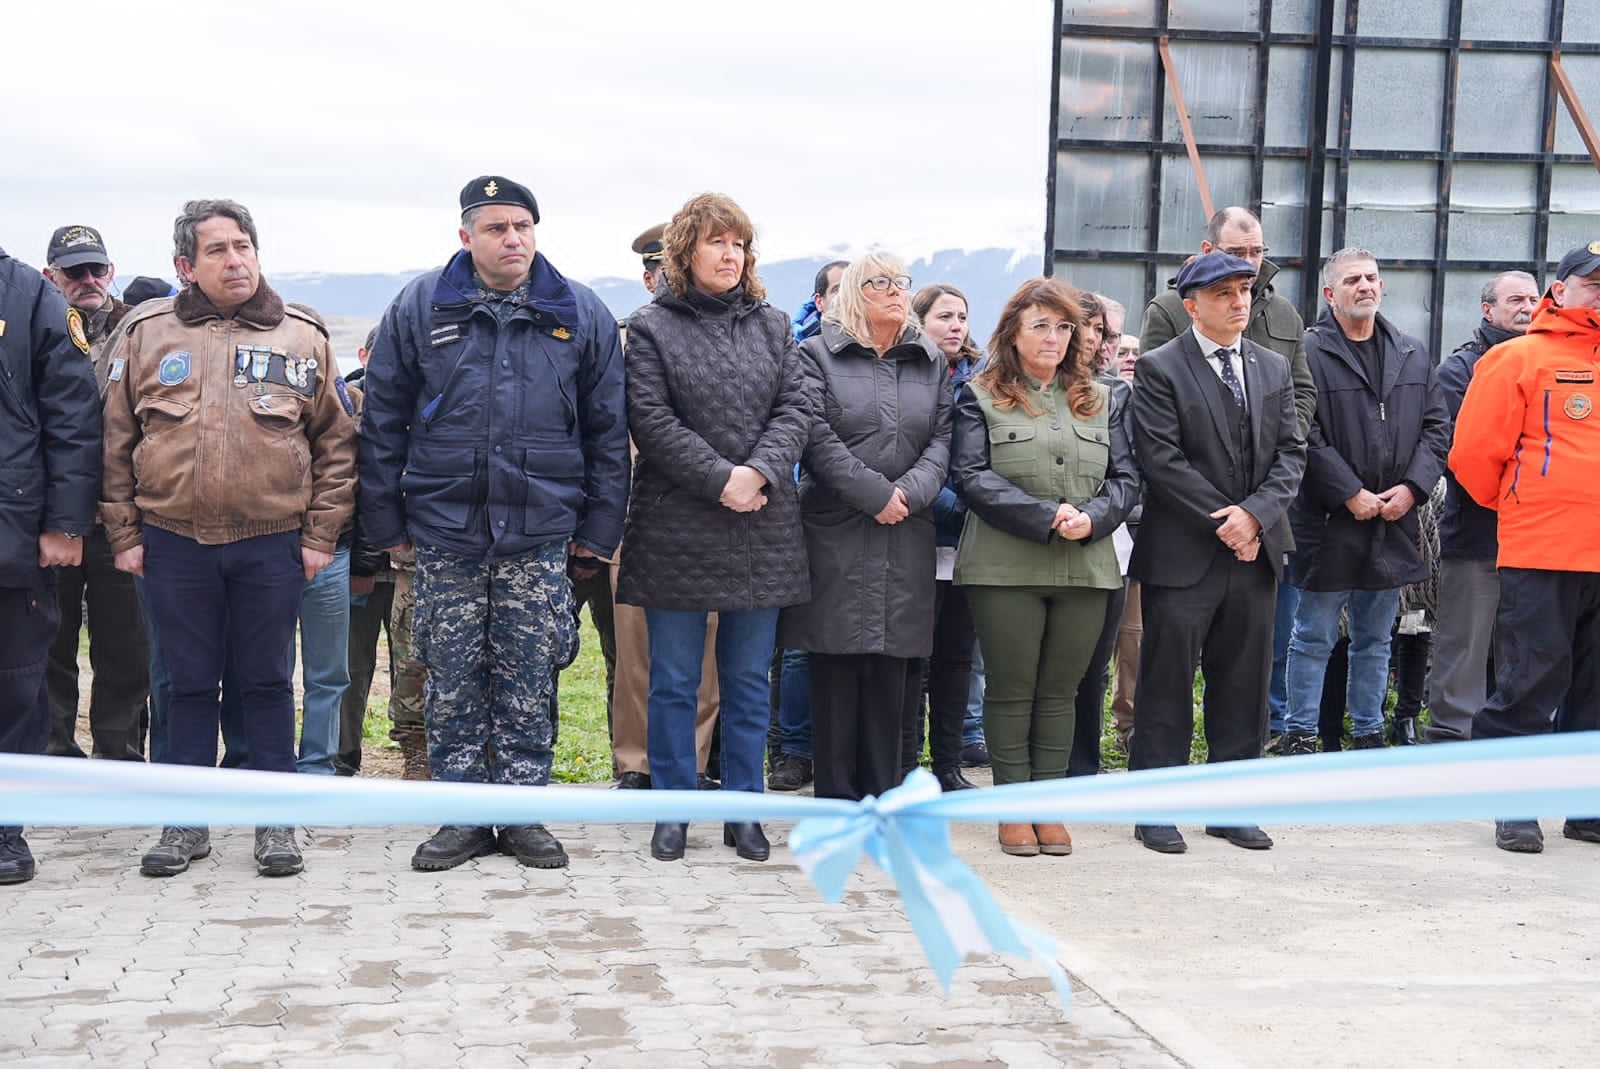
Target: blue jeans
(160,681)
(1282,625)
(206,598)
(324,649)
(1316,629)
(972,729)
(745,641)
(794,705)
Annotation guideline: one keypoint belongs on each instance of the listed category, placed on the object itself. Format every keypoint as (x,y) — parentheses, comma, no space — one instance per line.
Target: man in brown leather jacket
(229,474)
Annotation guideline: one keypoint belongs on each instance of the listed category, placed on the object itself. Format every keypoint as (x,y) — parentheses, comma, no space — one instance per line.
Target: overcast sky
(348,129)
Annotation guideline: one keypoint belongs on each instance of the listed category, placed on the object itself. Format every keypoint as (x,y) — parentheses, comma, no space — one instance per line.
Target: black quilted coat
(713,382)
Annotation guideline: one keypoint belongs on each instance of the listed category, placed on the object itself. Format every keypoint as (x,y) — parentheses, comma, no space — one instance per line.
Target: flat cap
(497,189)
(74,245)
(649,244)
(1584,260)
(1210,268)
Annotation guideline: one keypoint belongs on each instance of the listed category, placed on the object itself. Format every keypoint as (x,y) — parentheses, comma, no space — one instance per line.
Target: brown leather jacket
(221,429)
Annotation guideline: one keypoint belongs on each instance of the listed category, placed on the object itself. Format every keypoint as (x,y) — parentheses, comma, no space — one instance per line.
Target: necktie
(1229,379)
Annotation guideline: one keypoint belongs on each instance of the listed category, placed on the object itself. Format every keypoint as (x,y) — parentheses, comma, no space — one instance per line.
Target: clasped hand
(745,490)
(1071,523)
(898,508)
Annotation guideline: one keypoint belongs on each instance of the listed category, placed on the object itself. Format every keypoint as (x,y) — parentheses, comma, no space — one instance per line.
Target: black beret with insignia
(496,189)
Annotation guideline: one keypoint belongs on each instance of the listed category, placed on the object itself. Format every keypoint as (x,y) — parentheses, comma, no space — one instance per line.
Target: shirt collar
(1209,347)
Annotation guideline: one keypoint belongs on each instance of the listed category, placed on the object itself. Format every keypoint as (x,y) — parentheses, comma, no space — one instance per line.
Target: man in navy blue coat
(495,440)
(49,483)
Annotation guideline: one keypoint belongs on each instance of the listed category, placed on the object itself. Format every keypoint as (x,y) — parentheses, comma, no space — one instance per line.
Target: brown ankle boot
(1053,839)
(414,751)
(1018,840)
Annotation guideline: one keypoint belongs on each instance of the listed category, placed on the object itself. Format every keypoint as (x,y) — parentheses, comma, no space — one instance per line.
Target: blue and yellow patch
(174,368)
(1578,406)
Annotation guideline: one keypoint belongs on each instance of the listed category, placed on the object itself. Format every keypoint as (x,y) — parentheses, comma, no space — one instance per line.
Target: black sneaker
(1583,829)
(532,845)
(975,756)
(277,854)
(452,845)
(1519,836)
(1374,741)
(178,847)
(633,781)
(1295,744)
(704,782)
(789,773)
(16,860)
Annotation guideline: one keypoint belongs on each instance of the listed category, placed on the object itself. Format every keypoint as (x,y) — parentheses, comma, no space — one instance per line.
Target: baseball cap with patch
(74,245)
(1584,260)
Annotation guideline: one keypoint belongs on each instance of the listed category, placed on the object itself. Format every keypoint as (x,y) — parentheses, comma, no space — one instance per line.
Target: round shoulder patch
(1578,406)
(75,330)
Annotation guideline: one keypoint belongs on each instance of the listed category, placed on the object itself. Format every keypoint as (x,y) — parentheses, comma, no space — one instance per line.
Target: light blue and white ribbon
(905,832)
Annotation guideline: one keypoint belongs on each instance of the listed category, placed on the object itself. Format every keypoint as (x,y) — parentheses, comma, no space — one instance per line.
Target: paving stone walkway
(361,961)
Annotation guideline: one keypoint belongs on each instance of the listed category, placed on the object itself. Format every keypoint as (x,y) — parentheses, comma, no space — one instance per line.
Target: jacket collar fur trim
(263,310)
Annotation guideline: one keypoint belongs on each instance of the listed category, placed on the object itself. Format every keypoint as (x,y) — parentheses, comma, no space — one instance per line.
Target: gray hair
(848,311)
(1491,288)
(1331,266)
(470,216)
(1109,305)
(185,229)
(1243,217)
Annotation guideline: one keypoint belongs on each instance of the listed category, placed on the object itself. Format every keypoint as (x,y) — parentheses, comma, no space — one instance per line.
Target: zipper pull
(1383,415)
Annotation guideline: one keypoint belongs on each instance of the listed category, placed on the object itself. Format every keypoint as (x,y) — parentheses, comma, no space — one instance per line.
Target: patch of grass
(583,747)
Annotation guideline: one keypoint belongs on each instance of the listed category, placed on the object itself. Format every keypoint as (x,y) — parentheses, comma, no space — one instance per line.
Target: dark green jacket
(1014,469)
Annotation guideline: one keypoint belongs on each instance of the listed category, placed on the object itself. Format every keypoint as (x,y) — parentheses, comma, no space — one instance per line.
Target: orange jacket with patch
(1527,441)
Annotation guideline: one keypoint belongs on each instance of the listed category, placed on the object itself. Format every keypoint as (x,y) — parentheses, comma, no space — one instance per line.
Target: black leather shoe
(532,845)
(1403,732)
(747,840)
(1248,836)
(452,845)
(1583,829)
(1519,836)
(16,860)
(951,779)
(633,781)
(1162,838)
(790,773)
(1372,741)
(975,756)
(704,782)
(668,841)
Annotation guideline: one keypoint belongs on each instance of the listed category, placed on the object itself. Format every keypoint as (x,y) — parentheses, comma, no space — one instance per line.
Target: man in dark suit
(1218,440)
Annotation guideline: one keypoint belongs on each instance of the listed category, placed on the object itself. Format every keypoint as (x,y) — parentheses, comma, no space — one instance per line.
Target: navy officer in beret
(495,440)
(1219,441)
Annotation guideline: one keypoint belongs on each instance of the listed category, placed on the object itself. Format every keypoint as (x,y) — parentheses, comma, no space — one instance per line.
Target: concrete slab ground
(1405,946)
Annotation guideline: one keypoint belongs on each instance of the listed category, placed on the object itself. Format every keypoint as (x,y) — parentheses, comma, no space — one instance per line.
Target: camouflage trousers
(407,676)
(492,635)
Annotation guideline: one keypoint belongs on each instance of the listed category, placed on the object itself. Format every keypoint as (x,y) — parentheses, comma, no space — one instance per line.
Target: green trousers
(1036,644)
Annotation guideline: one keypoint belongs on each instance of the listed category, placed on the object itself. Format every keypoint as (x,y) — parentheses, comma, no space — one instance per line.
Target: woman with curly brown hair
(1043,459)
(719,411)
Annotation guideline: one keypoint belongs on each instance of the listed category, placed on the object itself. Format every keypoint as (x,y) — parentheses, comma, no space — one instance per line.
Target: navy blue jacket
(1366,435)
(485,439)
(1467,530)
(949,511)
(49,423)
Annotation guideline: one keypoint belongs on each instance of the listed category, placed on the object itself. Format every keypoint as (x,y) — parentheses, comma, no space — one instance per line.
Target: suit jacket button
(1061,460)
(1012,436)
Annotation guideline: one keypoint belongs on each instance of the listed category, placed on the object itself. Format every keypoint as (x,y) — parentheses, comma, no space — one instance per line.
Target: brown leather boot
(1018,840)
(1053,839)
(414,750)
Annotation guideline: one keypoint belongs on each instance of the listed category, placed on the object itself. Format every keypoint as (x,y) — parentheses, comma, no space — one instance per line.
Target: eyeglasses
(83,271)
(881,283)
(1247,252)
(1043,329)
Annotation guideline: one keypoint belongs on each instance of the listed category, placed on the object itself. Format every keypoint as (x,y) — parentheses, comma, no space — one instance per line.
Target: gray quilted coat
(880,423)
(713,382)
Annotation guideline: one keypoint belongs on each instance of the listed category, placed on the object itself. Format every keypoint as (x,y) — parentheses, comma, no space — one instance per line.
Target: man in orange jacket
(1527,444)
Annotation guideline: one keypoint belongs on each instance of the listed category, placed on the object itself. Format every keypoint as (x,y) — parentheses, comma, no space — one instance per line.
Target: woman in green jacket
(1044,460)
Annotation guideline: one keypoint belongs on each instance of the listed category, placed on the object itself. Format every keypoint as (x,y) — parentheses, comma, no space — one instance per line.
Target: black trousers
(1223,623)
(118,653)
(858,704)
(948,683)
(1090,704)
(367,621)
(1547,635)
(28,620)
